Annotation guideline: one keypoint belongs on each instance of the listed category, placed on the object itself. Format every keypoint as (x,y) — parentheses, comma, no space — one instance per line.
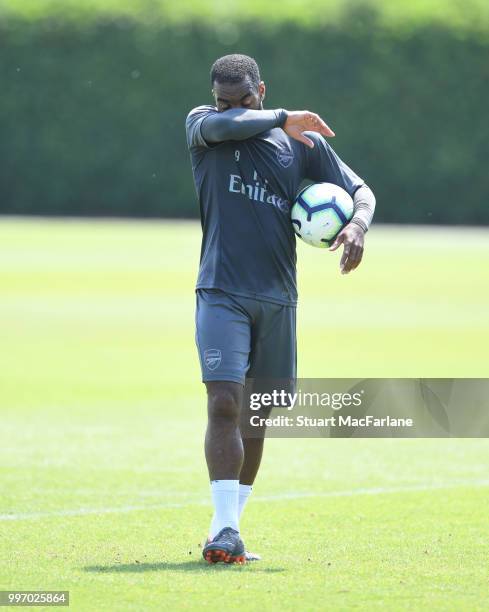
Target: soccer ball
(320,212)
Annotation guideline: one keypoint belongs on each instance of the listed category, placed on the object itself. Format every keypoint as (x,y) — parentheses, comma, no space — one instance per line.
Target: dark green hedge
(92,119)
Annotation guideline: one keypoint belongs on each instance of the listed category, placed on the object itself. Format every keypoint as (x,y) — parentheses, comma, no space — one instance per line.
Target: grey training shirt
(246,188)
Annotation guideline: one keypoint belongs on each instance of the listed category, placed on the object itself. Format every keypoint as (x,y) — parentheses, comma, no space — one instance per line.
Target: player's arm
(207,127)
(240,123)
(323,164)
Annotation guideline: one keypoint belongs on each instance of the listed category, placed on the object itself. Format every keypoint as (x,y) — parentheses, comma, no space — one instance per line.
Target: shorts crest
(212,358)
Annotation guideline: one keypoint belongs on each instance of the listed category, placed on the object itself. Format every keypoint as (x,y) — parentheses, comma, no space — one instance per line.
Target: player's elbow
(372,198)
(365,192)
(216,129)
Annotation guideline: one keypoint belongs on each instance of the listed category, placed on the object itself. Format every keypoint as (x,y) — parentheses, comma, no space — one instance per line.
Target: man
(248,164)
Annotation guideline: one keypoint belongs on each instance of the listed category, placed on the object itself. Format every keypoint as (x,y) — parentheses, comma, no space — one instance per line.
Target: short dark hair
(234,68)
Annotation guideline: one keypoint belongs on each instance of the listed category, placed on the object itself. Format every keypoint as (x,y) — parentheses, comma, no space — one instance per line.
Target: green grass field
(451,13)
(103,482)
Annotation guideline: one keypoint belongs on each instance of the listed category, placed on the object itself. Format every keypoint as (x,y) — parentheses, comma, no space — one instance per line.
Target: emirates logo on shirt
(257,192)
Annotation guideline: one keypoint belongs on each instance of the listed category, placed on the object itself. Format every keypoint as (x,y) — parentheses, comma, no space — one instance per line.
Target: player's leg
(224,456)
(253,451)
(253,437)
(273,360)
(223,341)
(223,445)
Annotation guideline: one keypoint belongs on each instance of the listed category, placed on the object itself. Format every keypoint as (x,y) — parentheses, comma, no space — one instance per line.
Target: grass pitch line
(264,498)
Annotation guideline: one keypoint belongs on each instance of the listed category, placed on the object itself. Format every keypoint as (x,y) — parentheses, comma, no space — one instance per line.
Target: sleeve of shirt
(234,124)
(324,166)
(193,126)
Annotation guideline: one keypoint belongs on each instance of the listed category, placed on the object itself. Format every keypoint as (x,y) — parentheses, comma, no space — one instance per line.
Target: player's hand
(304,121)
(352,238)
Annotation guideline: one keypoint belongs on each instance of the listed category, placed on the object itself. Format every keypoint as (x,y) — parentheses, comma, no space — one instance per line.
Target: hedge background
(92,110)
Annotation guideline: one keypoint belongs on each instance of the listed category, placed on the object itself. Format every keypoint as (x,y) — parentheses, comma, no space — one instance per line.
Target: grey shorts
(240,337)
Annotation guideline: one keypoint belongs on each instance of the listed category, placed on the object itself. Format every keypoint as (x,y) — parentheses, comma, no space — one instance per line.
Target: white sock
(225,495)
(244,493)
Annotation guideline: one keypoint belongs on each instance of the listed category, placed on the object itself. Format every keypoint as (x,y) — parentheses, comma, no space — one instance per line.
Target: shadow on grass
(186,566)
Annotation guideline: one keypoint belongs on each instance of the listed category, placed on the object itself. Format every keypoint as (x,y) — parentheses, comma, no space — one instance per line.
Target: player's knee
(223,404)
